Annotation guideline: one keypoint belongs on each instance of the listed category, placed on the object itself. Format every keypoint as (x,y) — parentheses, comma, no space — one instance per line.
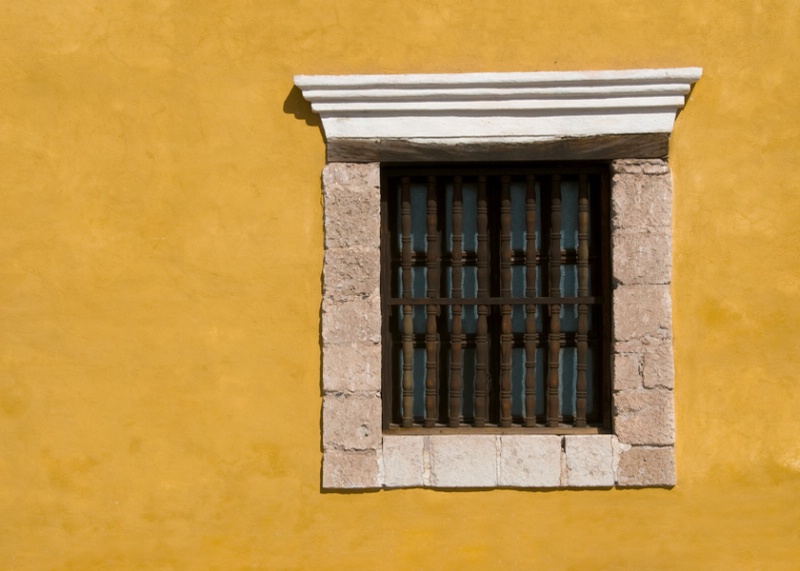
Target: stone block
(644,466)
(627,371)
(351,470)
(403,461)
(352,368)
(463,461)
(352,272)
(528,461)
(590,461)
(659,370)
(642,311)
(639,166)
(642,257)
(355,320)
(645,417)
(351,422)
(352,205)
(641,201)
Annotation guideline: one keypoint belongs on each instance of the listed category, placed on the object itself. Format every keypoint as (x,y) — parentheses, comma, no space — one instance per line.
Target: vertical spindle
(583,291)
(431,335)
(553,405)
(482,342)
(505,291)
(531,337)
(408,316)
(456,334)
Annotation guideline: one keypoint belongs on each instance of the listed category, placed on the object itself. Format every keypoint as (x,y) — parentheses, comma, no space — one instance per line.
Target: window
(493,307)
(618,118)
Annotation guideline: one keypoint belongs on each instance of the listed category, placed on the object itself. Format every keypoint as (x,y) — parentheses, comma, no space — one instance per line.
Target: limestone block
(403,464)
(355,320)
(627,371)
(642,257)
(352,205)
(641,201)
(352,368)
(642,311)
(645,417)
(590,461)
(646,466)
(351,422)
(343,469)
(352,272)
(658,369)
(530,461)
(463,461)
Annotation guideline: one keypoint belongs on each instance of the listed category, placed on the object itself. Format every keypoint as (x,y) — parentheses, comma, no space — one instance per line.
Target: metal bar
(505,291)
(583,309)
(432,310)
(482,341)
(553,405)
(408,318)
(531,335)
(456,335)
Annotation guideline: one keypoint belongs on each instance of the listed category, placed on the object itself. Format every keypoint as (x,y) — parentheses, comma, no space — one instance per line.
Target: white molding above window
(624,117)
(395,117)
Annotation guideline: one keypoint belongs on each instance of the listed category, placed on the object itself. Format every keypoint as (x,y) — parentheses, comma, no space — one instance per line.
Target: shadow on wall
(301,109)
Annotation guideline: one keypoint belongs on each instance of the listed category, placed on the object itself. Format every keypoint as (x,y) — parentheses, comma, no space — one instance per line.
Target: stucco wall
(161,246)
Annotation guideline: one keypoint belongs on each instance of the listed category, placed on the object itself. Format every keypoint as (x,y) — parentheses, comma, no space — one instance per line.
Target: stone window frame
(640,451)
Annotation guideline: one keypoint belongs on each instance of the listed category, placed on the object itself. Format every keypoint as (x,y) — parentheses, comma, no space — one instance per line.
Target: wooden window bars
(495,288)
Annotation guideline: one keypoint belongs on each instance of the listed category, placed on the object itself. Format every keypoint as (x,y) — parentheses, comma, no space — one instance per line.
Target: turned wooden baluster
(553,407)
(431,336)
(482,341)
(583,291)
(408,316)
(505,312)
(531,337)
(456,334)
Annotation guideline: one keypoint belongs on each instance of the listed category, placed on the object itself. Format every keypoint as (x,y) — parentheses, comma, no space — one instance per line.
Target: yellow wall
(160,258)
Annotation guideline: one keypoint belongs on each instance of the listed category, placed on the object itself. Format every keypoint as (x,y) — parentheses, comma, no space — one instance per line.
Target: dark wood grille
(495,295)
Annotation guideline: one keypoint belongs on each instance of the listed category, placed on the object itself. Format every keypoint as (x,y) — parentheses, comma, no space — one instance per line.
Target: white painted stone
(498,105)
(463,461)
(403,464)
(351,422)
(590,461)
(529,461)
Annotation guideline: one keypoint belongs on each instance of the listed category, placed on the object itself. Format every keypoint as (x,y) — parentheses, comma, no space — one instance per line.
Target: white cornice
(498,106)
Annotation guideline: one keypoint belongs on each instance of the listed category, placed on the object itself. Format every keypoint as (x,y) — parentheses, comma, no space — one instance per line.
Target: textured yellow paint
(161,247)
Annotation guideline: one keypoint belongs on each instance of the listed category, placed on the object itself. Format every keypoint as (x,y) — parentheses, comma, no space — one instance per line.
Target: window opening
(495,282)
